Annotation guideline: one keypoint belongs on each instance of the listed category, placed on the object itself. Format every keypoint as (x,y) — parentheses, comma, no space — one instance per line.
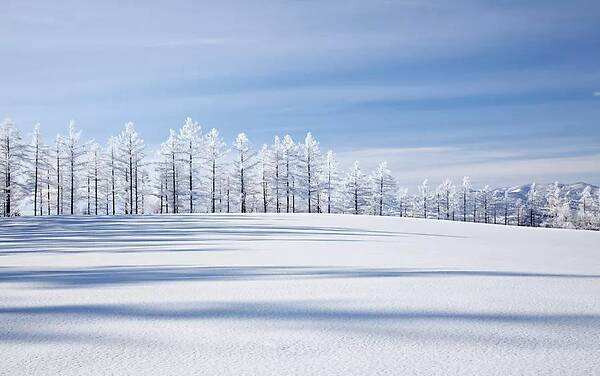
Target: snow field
(295,294)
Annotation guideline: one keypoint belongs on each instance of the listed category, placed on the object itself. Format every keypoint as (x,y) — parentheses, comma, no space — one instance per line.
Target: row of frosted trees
(198,172)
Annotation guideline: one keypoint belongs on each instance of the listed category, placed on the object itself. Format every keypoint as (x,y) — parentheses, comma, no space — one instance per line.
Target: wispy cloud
(492,165)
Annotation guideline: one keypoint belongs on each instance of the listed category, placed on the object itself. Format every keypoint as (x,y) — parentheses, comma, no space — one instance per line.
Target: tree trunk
(329,191)
(265,187)
(531,219)
(174,191)
(287,186)
(88,195)
(242,188)
(161,196)
(35,183)
(277,183)
(381,197)
(96,187)
(191,181)
(293,196)
(112,167)
(465,206)
(355,198)
(130,182)
(213,188)
(309,181)
(72,180)
(8,178)
(136,187)
(48,192)
(228,195)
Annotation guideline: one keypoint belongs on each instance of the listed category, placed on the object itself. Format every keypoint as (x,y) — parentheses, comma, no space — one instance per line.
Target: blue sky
(505,91)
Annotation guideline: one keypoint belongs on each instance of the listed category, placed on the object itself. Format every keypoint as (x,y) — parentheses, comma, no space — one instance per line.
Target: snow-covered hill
(295,294)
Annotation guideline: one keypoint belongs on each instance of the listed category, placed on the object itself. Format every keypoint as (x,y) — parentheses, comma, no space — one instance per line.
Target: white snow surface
(295,295)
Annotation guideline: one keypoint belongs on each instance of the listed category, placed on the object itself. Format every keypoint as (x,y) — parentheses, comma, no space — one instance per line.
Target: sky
(507,92)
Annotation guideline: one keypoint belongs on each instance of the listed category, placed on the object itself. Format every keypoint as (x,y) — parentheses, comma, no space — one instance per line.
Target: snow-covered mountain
(572,191)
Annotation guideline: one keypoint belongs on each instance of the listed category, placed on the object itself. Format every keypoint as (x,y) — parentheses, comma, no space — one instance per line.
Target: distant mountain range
(572,191)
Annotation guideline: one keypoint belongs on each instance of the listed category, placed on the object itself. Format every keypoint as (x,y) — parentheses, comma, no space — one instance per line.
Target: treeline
(196,172)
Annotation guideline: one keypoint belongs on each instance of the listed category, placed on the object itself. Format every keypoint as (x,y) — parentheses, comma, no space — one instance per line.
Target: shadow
(294,311)
(125,275)
(118,233)
(558,330)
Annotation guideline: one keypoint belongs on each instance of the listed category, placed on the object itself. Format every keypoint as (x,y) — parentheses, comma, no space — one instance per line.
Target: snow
(295,294)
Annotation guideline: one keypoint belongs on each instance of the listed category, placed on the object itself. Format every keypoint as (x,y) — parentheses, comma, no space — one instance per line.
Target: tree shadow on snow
(124,275)
(161,233)
(416,325)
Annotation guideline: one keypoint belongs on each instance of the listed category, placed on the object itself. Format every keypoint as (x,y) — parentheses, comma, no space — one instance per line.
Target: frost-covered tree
(277,167)
(190,137)
(424,195)
(597,211)
(532,203)
(584,217)
(558,209)
(95,164)
(466,190)
(215,152)
(38,167)
(356,190)
(330,166)
(505,205)
(13,154)
(59,168)
(265,159)
(75,152)
(244,163)
(484,195)
(170,152)
(455,201)
(112,164)
(475,201)
(289,160)
(131,155)
(586,199)
(446,192)
(227,188)
(310,160)
(104,183)
(403,201)
(384,186)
